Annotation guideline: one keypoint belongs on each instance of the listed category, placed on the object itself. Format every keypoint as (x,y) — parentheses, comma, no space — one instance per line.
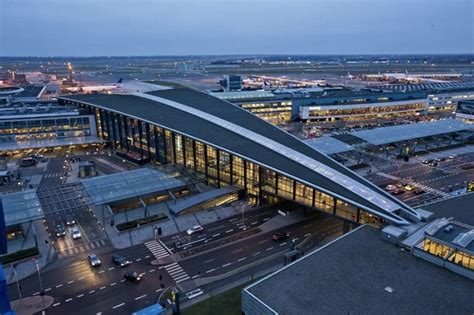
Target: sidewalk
(170,226)
(27,267)
(31,305)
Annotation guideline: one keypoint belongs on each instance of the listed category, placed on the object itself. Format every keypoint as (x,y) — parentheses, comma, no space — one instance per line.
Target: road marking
(59,285)
(140,297)
(266,219)
(253,223)
(102,271)
(118,305)
(69,282)
(257,253)
(295,239)
(138,259)
(236,251)
(270,248)
(226,265)
(101,288)
(216,235)
(147,256)
(81,278)
(111,268)
(80,295)
(68,300)
(284,243)
(241,259)
(56,304)
(90,292)
(228,231)
(194,277)
(211,270)
(151,270)
(48,289)
(306,235)
(208,261)
(36,293)
(112,284)
(123,280)
(158,290)
(261,242)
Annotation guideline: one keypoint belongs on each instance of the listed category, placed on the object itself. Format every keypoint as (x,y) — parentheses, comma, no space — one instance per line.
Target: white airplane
(96,88)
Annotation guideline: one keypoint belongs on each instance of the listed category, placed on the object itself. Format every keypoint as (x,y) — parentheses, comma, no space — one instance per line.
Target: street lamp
(39,277)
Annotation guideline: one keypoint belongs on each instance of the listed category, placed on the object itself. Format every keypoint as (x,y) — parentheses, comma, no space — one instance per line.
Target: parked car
(418,191)
(70,220)
(194,229)
(409,187)
(280,236)
(397,191)
(133,276)
(120,260)
(427,162)
(94,261)
(75,232)
(60,230)
(390,187)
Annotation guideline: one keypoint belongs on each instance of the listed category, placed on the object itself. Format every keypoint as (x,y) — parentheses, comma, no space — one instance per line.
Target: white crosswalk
(176,272)
(158,249)
(51,175)
(83,248)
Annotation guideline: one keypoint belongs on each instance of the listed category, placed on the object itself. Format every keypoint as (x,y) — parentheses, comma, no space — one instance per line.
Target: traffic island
(32,305)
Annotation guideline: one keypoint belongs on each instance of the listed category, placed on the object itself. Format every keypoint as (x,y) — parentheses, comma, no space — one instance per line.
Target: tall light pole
(17,283)
(39,277)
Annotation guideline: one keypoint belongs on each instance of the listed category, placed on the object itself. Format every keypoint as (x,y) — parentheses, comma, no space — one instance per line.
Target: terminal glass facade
(218,167)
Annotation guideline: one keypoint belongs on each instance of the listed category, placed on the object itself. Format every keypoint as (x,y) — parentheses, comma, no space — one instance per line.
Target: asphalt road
(78,286)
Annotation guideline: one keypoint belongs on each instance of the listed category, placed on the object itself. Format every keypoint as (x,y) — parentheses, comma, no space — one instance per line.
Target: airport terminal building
(231,147)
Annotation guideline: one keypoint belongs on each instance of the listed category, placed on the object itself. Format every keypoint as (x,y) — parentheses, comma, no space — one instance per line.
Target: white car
(194,229)
(94,260)
(75,233)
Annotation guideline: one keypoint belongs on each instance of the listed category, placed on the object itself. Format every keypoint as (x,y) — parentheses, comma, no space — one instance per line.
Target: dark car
(280,236)
(133,276)
(69,219)
(120,261)
(59,230)
(427,161)
(397,191)
(418,191)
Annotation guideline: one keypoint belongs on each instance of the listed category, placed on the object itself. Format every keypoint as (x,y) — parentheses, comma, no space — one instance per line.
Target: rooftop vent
(389,289)
(464,239)
(449,228)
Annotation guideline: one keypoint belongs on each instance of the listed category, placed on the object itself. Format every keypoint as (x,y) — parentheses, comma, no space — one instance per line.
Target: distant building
(465,111)
(353,106)
(41,124)
(231,83)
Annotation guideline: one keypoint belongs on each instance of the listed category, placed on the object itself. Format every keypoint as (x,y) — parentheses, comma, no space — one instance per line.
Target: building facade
(228,146)
(38,125)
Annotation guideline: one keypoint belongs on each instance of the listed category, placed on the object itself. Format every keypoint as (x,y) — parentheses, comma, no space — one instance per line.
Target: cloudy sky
(169,27)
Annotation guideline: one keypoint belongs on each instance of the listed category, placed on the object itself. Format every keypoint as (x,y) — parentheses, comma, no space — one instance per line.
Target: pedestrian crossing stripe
(81,248)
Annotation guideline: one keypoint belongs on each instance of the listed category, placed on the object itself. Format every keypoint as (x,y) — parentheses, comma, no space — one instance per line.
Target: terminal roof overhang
(219,123)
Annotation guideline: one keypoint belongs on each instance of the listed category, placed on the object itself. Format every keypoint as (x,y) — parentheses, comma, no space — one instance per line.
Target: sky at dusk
(193,27)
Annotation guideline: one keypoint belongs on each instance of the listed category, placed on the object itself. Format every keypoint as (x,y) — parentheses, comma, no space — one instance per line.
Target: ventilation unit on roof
(449,228)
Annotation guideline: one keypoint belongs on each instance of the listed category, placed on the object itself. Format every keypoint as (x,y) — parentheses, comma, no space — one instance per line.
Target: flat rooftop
(131,184)
(399,133)
(433,86)
(328,145)
(360,273)
(21,207)
(459,207)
